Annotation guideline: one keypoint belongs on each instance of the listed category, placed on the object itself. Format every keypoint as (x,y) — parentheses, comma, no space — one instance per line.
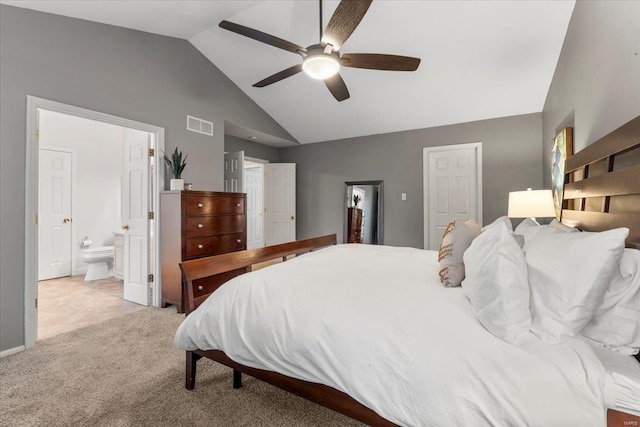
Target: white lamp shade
(531,203)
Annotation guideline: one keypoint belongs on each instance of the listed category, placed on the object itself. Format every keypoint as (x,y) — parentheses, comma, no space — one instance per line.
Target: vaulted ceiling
(480,59)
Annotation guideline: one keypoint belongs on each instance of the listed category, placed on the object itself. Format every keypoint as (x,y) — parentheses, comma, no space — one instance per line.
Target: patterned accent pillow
(456,239)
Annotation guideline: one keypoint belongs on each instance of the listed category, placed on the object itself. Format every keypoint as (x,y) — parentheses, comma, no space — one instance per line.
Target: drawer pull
(238,240)
(200,246)
(200,287)
(238,204)
(199,205)
(200,225)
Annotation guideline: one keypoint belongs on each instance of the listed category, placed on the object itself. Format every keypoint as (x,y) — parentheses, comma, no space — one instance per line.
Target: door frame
(349,200)
(477,146)
(74,200)
(31,199)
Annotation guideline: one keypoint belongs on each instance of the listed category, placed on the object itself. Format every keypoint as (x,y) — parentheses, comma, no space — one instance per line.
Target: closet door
(280,203)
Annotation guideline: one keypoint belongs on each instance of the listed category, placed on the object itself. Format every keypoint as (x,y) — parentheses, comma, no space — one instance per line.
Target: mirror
(363,222)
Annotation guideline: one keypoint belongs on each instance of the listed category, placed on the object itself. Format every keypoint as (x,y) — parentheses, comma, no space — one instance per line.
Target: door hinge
(36,302)
(150,277)
(150,215)
(151,152)
(38,134)
(36,218)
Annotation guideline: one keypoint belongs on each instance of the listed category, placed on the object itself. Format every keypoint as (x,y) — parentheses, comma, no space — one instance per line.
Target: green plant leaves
(176,163)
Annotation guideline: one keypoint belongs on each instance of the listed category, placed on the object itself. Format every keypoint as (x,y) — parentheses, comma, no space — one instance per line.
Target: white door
(253,188)
(54,214)
(452,188)
(280,203)
(233,172)
(135,206)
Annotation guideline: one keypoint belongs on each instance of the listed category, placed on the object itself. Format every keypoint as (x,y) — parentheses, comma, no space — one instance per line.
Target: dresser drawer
(208,205)
(214,245)
(210,225)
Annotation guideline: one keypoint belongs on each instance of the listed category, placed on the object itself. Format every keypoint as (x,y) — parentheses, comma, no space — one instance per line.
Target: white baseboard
(11,351)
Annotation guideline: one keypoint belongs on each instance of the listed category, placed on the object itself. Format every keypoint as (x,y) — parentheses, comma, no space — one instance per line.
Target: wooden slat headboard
(602,184)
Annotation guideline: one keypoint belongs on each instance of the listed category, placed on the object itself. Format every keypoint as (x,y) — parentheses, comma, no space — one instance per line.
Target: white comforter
(374,322)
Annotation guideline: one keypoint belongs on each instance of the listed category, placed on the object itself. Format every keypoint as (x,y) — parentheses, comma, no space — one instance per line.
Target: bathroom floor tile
(70,303)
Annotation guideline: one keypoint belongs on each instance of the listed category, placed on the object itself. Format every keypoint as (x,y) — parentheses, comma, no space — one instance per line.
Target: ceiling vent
(195,124)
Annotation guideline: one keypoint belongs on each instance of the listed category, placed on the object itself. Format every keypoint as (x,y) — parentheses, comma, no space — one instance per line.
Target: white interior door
(233,172)
(135,204)
(253,188)
(280,203)
(452,188)
(54,214)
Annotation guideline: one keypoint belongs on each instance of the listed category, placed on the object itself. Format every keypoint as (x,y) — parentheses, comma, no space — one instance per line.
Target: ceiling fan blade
(261,37)
(337,87)
(344,20)
(376,61)
(279,76)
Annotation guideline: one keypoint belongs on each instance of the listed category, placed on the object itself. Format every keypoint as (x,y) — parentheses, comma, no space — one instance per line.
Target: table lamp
(531,204)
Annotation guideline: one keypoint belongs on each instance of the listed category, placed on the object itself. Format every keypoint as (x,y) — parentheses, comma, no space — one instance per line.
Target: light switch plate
(404,196)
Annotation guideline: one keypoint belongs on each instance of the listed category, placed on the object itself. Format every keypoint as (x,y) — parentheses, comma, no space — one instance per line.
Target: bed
(360,357)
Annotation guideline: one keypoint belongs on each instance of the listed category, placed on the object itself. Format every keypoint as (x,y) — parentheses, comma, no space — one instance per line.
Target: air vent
(195,124)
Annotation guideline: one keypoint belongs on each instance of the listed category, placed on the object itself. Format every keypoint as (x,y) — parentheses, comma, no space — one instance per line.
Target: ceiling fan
(323,60)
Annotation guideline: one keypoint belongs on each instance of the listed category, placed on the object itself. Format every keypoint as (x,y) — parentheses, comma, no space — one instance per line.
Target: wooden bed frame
(203,276)
(603,180)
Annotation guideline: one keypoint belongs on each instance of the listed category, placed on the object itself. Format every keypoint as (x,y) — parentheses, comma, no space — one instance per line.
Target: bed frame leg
(190,370)
(237,379)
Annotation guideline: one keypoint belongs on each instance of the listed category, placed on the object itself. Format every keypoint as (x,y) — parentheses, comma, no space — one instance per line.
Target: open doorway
(254,187)
(244,174)
(92,187)
(275,219)
(81,215)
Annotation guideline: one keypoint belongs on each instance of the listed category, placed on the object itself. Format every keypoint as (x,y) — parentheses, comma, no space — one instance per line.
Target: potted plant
(356,200)
(177,164)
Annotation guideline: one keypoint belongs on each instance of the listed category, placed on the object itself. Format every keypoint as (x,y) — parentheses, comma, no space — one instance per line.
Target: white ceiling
(480,59)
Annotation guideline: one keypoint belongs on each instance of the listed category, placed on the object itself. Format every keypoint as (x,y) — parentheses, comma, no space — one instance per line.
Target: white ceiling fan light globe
(320,67)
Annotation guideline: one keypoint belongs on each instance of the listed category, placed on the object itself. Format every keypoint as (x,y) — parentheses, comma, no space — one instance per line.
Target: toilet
(98,259)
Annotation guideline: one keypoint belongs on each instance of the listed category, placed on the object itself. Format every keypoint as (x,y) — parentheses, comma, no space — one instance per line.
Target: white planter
(177,184)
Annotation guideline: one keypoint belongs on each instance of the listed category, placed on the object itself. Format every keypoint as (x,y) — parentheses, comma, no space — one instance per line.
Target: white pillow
(569,274)
(617,320)
(496,283)
(560,226)
(505,219)
(527,228)
(456,239)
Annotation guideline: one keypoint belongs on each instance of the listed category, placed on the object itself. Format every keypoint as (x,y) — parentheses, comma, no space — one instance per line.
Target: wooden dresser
(196,224)
(354,225)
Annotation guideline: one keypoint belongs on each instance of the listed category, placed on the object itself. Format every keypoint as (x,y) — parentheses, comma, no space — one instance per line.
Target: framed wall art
(562,148)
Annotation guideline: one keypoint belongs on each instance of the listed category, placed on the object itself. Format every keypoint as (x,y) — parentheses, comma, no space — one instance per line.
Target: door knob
(199,205)
(292,217)
(125,227)
(200,246)
(200,225)
(66,220)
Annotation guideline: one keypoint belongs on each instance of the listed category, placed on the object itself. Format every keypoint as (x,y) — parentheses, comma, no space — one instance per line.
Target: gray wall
(596,85)
(511,159)
(136,75)
(251,149)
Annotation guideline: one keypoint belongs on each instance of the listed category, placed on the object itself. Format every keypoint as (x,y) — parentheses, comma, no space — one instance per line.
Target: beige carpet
(127,372)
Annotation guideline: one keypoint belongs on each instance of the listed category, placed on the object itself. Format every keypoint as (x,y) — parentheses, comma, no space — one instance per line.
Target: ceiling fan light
(320,67)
